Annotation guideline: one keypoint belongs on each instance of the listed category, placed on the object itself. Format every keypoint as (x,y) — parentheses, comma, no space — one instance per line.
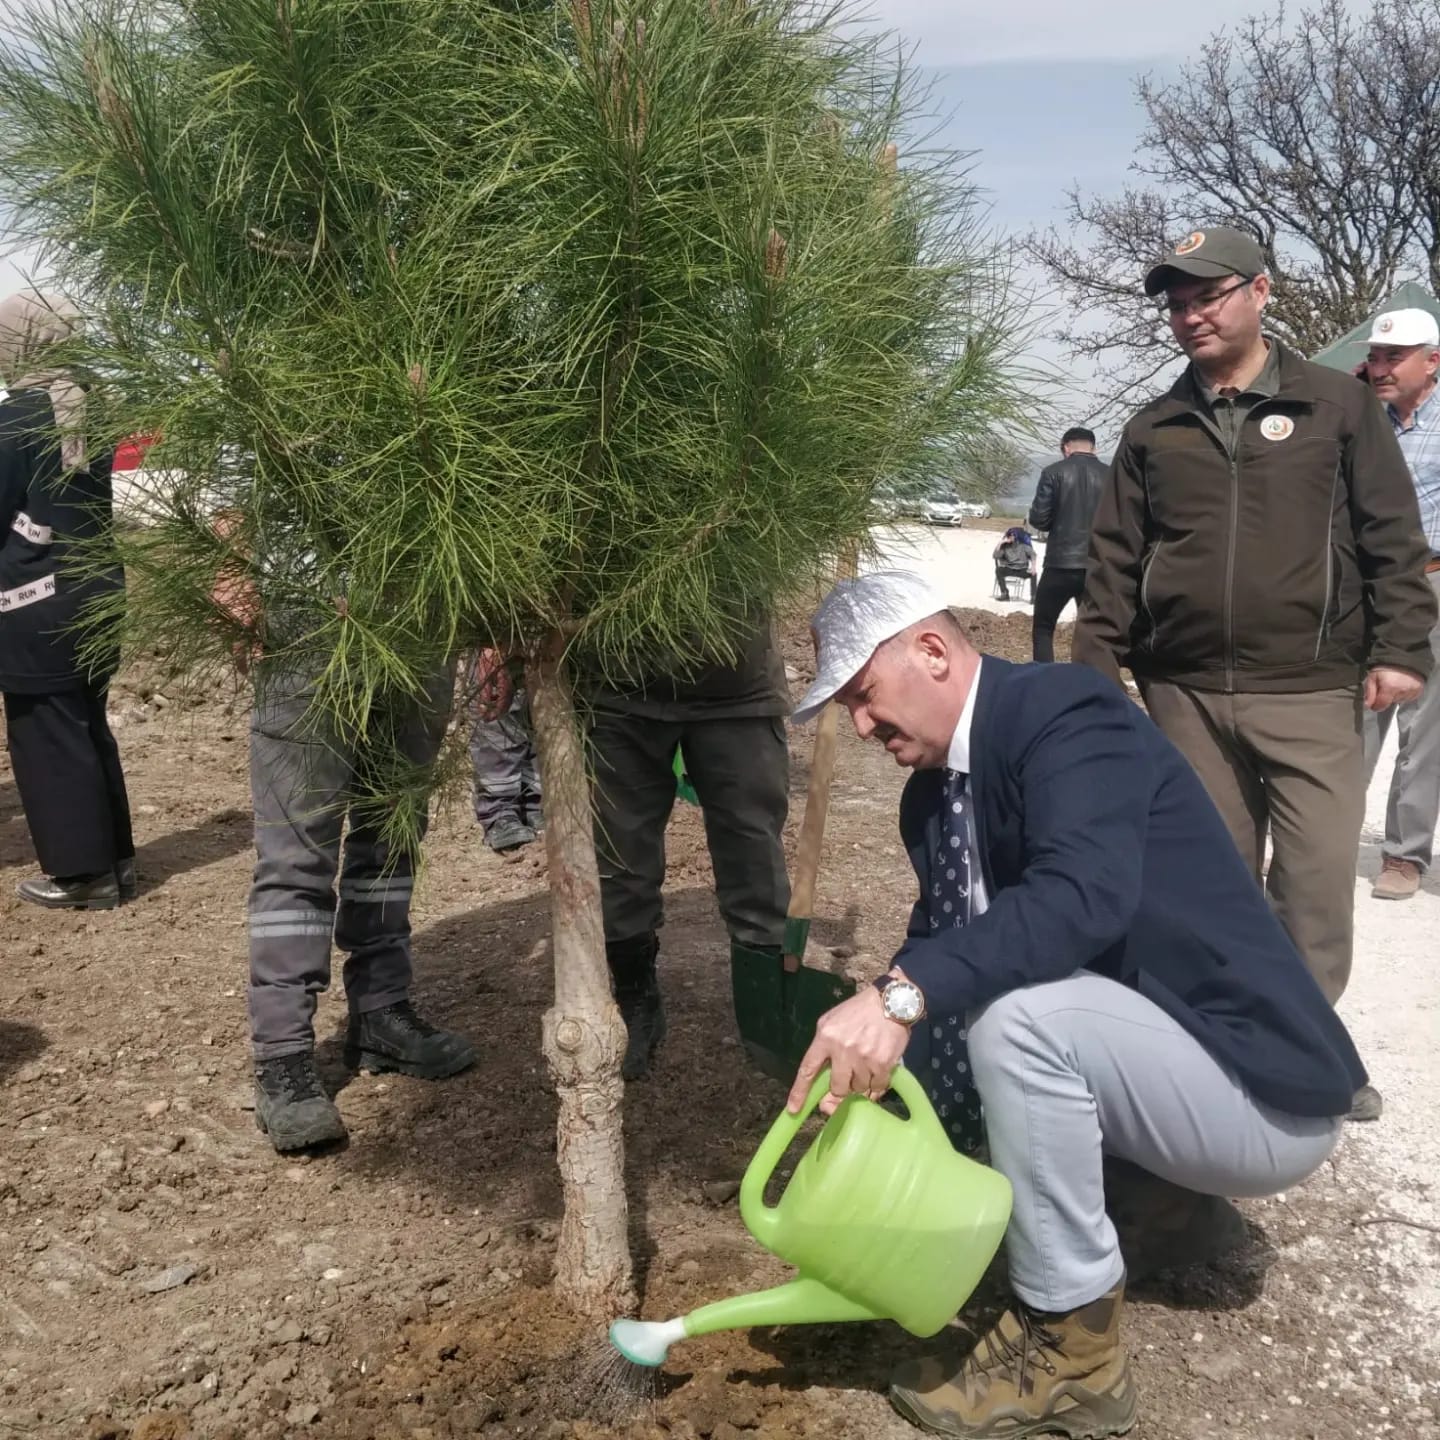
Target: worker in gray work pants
(505,787)
(305,786)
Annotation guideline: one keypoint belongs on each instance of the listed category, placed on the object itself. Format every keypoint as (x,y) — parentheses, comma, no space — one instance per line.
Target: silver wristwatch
(902,1000)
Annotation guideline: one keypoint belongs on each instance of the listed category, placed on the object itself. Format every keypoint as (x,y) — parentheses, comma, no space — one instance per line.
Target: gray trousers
(302,785)
(502,758)
(1414,806)
(740,770)
(1085,1067)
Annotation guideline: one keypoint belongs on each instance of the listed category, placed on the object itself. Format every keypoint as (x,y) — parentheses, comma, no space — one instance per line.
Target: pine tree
(578,329)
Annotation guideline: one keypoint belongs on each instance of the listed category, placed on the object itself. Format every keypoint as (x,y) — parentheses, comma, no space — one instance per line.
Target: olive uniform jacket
(1295,563)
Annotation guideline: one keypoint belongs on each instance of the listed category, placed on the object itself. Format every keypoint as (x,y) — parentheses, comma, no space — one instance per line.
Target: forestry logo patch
(1277,427)
(1191,242)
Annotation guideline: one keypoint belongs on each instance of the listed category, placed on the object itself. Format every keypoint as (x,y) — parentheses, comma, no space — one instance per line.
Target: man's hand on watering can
(859,1043)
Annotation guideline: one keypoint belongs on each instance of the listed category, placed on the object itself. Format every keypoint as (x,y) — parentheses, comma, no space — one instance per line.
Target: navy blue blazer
(1101,851)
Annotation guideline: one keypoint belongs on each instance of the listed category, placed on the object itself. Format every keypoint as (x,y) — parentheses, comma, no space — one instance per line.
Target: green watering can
(883,1219)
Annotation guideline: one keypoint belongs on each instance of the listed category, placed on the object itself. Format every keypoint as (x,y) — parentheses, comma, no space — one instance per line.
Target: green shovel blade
(683,787)
(777,1009)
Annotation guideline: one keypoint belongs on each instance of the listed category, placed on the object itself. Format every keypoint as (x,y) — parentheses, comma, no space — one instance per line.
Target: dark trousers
(740,770)
(1059,585)
(67,770)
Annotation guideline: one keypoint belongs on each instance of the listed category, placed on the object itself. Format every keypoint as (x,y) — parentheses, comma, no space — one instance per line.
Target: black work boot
(397,1039)
(508,833)
(637,993)
(291,1105)
(126,880)
(78,892)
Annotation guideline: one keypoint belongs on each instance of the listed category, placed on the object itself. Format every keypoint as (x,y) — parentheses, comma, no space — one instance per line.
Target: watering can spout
(803,1301)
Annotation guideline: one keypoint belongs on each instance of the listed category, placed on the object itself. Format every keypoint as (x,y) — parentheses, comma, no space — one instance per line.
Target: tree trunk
(584,1037)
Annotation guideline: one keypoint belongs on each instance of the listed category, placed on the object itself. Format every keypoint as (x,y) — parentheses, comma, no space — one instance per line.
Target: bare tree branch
(1318,133)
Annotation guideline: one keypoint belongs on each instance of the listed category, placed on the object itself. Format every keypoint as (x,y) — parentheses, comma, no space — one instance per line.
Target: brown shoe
(1033,1374)
(1397,880)
(1163,1226)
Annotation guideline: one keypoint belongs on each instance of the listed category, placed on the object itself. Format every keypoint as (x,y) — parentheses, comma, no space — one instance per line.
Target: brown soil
(168,1277)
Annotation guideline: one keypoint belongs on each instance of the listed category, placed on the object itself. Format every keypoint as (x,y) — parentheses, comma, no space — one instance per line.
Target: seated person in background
(1014,556)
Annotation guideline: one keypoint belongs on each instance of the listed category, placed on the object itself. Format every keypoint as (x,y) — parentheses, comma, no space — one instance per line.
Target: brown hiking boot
(1033,1374)
(1163,1226)
(1397,880)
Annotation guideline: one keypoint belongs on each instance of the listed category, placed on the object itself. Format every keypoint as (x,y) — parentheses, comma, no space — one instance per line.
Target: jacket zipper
(1329,570)
(1230,567)
(1145,589)
(1325,609)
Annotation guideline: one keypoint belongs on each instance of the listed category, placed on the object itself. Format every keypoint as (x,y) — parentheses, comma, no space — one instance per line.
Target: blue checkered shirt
(1420,444)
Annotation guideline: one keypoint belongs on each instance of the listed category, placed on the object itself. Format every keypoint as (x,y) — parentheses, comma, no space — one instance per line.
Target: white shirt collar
(959,758)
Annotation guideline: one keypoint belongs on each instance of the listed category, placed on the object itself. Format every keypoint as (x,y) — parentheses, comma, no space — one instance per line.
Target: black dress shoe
(126,880)
(80,892)
(397,1039)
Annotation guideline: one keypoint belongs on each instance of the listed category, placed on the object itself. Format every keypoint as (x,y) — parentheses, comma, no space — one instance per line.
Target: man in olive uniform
(1257,561)
(325,874)
(729,722)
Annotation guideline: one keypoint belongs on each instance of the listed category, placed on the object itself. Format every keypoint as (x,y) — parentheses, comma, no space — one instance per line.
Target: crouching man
(1127,990)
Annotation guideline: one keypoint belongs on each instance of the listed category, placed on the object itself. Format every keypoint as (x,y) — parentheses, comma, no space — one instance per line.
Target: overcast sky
(952,32)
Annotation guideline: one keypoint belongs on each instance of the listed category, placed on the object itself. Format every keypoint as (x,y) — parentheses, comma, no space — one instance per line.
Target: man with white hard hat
(1401,369)
(1127,991)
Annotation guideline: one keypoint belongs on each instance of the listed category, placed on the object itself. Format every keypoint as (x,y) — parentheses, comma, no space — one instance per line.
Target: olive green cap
(1207,255)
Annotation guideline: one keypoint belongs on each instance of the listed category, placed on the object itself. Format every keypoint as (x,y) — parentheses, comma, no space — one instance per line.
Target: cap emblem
(1193,241)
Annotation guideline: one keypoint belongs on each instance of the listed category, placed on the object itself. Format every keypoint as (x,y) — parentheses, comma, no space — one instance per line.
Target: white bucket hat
(854,620)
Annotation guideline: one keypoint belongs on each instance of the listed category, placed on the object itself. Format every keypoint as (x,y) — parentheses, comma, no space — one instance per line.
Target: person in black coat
(1064,508)
(55,500)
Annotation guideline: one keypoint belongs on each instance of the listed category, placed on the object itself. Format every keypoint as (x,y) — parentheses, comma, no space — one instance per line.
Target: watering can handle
(760,1218)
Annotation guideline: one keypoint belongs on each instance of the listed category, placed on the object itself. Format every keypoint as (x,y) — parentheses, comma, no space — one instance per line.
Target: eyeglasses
(1204,304)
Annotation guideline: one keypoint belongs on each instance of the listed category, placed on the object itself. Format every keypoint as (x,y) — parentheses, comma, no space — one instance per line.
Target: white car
(975,509)
(942,512)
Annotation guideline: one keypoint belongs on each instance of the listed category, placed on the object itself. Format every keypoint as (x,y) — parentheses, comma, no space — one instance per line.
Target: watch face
(903,1002)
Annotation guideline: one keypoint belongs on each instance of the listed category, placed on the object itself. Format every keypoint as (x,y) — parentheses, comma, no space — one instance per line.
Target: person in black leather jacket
(1064,507)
